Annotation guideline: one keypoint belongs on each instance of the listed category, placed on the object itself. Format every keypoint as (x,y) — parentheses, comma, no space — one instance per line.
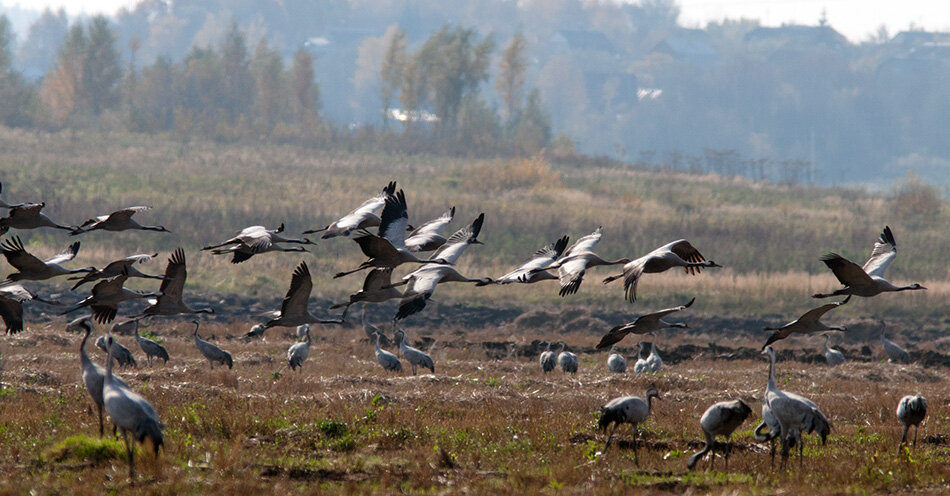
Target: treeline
(232,90)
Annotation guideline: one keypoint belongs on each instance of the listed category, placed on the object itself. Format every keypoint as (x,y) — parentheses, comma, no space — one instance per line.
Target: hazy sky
(856,19)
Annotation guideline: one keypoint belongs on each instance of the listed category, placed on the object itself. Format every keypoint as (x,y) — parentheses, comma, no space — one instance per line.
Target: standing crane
(124,265)
(775,430)
(28,216)
(809,322)
(548,358)
(869,280)
(299,351)
(92,374)
(567,360)
(720,419)
(631,410)
(120,220)
(427,237)
(119,352)
(679,253)
(832,356)
(210,351)
(645,324)
(131,413)
(33,269)
(911,411)
(414,356)
(150,347)
(169,299)
(616,362)
(653,361)
(795,414)
(388,360)
(894,352)
(363,217)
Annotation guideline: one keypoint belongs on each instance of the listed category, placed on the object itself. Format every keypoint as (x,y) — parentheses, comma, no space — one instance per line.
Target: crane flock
(786,415)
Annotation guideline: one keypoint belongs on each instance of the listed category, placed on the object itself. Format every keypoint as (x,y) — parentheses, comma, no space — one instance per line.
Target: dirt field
(488,420)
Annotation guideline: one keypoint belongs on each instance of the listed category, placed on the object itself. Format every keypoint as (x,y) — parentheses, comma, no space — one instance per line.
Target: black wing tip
(690,303)
(831,257)
(390,188)
(887,236)
(73,248)
(560,245)
(477,225)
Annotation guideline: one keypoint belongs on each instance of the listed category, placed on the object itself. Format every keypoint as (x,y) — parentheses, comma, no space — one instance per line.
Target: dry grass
(769,237)
(478,425)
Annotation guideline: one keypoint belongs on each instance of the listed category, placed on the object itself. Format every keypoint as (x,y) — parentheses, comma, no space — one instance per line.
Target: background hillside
(628,80)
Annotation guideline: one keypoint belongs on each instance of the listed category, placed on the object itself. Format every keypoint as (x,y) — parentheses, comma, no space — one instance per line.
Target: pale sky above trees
(856,19)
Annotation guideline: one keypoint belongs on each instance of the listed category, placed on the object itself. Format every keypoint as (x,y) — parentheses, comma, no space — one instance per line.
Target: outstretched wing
(666,311)
(394,219)
(127,213)
(435,225)
(173,283)
(885,250)
(12,248)
(686,251)
(295,302)
(68,254)
(586,243)
(815,314)
(541,259)
(457,242)
(847,272)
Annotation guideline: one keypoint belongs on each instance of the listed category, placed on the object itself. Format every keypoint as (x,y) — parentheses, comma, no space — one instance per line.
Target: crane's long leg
(636,456)
(128,448)
(610,436)
(101,427)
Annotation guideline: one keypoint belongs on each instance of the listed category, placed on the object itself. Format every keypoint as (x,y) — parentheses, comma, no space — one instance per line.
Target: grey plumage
(414,356)
(131,413)
(627,409)
(894,352)
(809,322)
(720,419)
(150,348)
(868,280)
(616,362)
(911,410)
(169,300)
(31,268)
(299,351)
(120,220)
(567,360)
(679,253)
(212,352)
(832,356)
(92,373)
(388,360)
(796,414)
(774,430)
(120,353)
(645,324)
(548,359)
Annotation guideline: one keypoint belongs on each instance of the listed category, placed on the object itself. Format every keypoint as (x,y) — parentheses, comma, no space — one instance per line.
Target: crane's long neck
(378,335)
(772,371)
(83,357)
(649,402)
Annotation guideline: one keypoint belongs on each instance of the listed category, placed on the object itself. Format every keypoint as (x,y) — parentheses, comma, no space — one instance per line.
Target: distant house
(586,40)
(614,91)
(910,39)
(689,45)
(797,37)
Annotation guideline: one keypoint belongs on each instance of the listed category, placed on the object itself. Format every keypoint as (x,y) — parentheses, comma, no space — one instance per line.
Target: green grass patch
(82,448)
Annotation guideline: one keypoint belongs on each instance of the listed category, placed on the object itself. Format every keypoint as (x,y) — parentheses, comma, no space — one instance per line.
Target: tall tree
(453,62)
(238,84)
(154,98)
(6,42)
(392,69)
(267,68)
(62,90)
(39,50)
(101,69)
(305,94)
(511,76)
